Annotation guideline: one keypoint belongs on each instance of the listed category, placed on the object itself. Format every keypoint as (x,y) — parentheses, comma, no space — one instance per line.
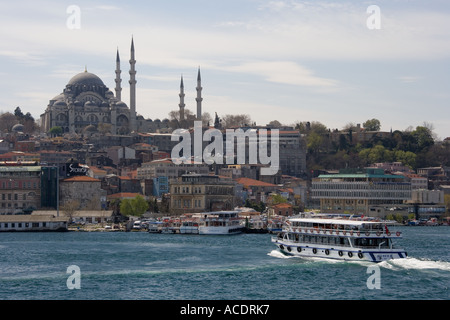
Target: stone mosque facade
(88,105)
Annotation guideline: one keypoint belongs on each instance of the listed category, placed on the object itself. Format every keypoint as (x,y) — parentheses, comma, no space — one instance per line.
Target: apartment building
(201,193)
(20,187)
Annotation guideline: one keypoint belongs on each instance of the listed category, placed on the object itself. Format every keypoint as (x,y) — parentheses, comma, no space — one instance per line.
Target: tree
(69,208)
(7,121)
(274,124)
(133,207)
(424,137)
(236,120)
(18,113)
(57,131)
(277,199)
(372,125)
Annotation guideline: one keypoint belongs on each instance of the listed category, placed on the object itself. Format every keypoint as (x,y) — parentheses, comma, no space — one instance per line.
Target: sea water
(145,266)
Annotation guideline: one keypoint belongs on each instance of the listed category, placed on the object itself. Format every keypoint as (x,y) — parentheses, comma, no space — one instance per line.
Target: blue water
(141,266)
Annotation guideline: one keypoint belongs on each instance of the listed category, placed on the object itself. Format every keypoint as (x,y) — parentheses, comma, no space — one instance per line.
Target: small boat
(155,226)
(337,237)
(220,223)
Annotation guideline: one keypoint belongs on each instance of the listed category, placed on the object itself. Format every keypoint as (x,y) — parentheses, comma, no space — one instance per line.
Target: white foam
(278,254)
(414,263)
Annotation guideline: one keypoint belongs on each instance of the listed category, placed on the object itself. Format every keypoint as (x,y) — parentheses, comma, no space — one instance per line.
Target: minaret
(132,89)
(118,80)
(181,105)
(199,96)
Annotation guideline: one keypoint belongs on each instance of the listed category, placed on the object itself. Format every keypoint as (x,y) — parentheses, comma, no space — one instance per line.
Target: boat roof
(338,221)
(219,212)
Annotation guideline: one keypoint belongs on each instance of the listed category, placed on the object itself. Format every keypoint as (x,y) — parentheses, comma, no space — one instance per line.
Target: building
(166,168)
(201,193)
(119,153)
(281,209)
(87,216)
(392,167)
(437,176)
(83,189)
(360,191)
(359,135)
(87,105)
(20,187)
(255,190)
(426,204)
(31,222)
(49,187)
(417,181)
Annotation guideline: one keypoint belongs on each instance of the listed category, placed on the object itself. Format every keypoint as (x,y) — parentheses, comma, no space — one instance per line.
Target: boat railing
(345,232)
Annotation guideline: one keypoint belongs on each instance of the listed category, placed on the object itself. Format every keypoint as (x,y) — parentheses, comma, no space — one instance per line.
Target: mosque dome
(121,104)
(18,128)
(86,78)
(90,128)
(60,103)
(90,104)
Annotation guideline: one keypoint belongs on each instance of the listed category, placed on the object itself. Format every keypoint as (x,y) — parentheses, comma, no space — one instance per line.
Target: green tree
(424,137)
(278,198)
(372,125)
(57,131)
(133,207)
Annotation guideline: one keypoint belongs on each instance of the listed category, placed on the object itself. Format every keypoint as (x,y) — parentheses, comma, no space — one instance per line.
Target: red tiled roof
(81,179)
(282,205)
(253,182)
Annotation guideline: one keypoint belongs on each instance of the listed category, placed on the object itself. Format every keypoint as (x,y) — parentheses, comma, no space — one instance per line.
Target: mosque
(87,104)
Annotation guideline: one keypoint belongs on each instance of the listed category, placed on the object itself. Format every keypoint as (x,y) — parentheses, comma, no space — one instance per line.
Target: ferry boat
(338,237)
(220,222)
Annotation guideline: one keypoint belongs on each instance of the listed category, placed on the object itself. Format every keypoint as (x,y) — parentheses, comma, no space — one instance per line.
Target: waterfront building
(192,193)
(427,204)
(77,216)
(360,191)
(20,190)
(84,189)
(30,222)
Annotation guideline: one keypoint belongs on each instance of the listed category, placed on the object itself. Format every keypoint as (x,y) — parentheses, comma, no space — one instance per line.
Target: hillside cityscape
(92,157)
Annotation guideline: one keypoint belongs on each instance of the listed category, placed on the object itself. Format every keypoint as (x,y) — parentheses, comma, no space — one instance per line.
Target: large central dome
(86,78)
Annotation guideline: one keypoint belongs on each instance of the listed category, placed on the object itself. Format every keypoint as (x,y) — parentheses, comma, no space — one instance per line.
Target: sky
(334,62)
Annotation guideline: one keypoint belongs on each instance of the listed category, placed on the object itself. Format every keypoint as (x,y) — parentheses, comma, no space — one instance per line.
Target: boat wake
(393,264)
(414,263)
(279,254)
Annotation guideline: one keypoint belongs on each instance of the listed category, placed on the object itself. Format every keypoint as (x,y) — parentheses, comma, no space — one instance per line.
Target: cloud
(285,72)
(409,79)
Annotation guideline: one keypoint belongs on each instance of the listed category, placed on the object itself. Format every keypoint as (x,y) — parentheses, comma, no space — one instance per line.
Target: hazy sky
(274,60)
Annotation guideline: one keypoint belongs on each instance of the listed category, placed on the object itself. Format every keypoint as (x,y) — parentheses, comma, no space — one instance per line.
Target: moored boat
(337,237)
(189,227)
(220,222)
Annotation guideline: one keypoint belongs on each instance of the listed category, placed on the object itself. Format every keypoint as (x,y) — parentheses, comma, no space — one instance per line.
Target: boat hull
(338,253)
(188,230)
(220,230)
